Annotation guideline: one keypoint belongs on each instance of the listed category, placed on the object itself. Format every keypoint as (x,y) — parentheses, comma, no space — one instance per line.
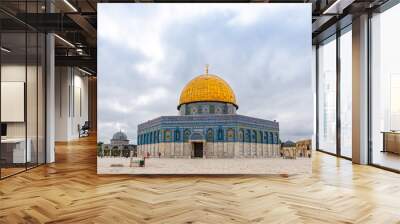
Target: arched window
(177,135)
(225,109)
(248,136)
(187,110)
(259,137)
(154,137)
(271,138)
(167,135)
(193,110)
(220,134)
(241,135)
(199,109)
(212,109)
(210,135)
(230,135)
(218,110)
(186,135)
(151,138)
(115,151)
(254,136)
(159,136)
(266,137)
(126,151)
(204,109)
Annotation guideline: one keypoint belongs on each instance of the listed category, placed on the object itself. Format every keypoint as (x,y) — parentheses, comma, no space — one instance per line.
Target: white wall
(12,73)
(34,125)
(71,102)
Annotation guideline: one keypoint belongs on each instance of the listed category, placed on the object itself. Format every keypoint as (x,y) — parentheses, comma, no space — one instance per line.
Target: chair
(84,130)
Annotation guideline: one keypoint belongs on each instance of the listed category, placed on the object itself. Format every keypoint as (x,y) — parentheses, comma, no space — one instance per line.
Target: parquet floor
(70,191)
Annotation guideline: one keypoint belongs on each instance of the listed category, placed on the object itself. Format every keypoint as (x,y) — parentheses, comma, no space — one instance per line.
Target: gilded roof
(207,88)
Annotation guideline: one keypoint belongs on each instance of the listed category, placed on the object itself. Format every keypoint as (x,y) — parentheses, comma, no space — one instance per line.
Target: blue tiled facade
(209,128)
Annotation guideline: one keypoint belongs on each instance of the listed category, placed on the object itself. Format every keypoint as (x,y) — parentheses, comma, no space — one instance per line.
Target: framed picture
(204,89)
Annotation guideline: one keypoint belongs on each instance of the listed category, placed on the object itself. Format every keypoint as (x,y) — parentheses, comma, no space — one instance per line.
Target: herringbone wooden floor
(70,191)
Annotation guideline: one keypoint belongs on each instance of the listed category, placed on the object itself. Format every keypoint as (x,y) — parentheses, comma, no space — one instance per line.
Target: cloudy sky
(148,52)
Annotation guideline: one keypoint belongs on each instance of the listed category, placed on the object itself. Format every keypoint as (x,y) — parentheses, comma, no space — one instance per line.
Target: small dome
(207,88)
(119,136)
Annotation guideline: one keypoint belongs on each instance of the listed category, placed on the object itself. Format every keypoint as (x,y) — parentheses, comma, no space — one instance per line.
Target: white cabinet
(19,155)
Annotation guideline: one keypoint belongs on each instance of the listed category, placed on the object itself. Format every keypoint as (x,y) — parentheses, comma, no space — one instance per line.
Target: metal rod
(338,92)
(317,96)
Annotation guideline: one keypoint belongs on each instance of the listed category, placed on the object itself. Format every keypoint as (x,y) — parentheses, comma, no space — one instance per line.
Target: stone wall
(211,150)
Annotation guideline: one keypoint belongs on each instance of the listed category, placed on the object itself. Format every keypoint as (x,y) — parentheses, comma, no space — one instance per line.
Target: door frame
(192,143)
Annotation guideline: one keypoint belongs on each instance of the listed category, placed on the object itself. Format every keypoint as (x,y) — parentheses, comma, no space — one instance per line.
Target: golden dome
(207,88)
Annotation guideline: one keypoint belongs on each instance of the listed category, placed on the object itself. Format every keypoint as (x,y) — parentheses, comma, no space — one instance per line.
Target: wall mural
(188,99)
